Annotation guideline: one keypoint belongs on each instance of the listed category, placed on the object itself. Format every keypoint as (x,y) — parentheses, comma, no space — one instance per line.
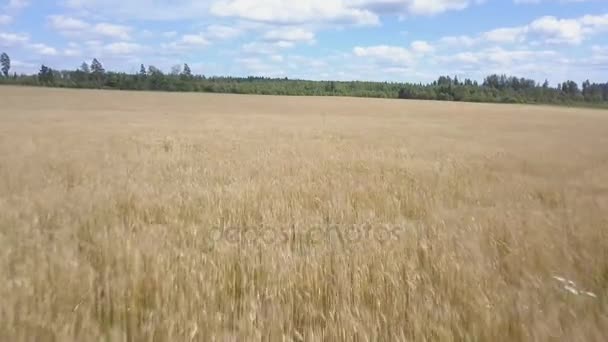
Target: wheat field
(135,216)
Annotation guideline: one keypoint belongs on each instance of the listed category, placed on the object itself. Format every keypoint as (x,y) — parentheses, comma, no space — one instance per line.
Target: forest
(493,89)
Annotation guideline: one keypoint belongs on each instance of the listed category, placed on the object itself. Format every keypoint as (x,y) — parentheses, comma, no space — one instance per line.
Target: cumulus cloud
(186,42)
(142,9)
(223,32)
(9,39)
(462,40)
(547,29)
(505,35)
(76,27)
(18,4)
(194,40)
(43,49)
(421,47)
(123,48)
(112,30)
(292,34)
(392,55)
(547,1)
(266,48)
(72,52)
(395,56)
(5,19)
(358,12)
(293,12)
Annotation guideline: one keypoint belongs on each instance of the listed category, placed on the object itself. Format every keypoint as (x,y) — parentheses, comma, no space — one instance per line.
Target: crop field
(137,216)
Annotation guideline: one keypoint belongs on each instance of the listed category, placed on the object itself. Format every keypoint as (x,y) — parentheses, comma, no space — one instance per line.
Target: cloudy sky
(392,40)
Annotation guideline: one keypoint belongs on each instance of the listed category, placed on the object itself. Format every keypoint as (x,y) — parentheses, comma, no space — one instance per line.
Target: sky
(380,40)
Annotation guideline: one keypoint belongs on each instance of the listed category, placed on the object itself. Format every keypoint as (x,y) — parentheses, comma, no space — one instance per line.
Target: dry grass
(148,216)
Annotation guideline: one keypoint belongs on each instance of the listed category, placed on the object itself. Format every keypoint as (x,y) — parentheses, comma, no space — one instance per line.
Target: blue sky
(384,40)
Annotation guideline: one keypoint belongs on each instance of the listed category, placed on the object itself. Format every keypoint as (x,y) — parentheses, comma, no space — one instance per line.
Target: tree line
(494,88)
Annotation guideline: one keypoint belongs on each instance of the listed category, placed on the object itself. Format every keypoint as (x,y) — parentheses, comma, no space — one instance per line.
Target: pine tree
(5,62)
(85,68)
(96,67)
(45,75)
(187,72)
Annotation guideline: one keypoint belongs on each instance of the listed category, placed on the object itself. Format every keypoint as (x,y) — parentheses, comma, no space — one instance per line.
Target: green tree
(97,68)
(5,63)
(176,70)
(45,75)
(142,71)
(98,72)
(571,88)
(152,70)
(186,73)
(84,67)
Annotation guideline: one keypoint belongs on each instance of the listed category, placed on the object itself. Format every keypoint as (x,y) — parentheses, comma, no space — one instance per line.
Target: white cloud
(223,32)
(599,49)
(186,42)
(462,40)
(427,7)
(361,12)
(76,27)
(596,23)
(507,57)
(547,30)
(292,34)
(13,39)
(498,56)
(277,58)
(194,40)
(93,43)
(43,49)
(559,30)
(18,4)
(465,58)
(299,62)
(540,1)
(392,55)
(71,52)
(505,35)
(65,23)
(266,48)
(20,64)
(142,9)
(123,48)
(293,12)
(421,47)
(113,31)
(5,19)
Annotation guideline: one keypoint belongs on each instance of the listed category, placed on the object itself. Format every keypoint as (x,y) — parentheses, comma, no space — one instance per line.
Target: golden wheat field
(135,216)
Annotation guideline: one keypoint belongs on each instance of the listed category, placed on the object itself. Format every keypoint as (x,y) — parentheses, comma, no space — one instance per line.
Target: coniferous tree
(97,68)
(46,75)
(98,72)
(5,64)
(187,73)
(84,67)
